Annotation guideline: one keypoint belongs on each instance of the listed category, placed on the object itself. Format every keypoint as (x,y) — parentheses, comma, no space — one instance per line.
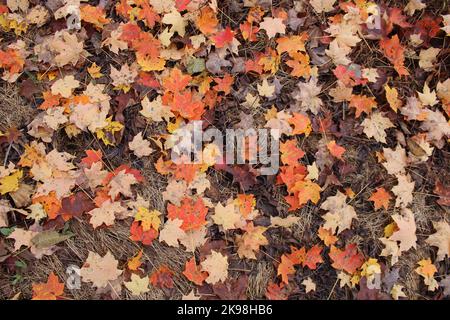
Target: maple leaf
(307,190)
(403,190)
(440,239)
(177,22)
(406,233)
(216,265)
(335,149)
(207,21)
(100,270)
(272,26)
(348,259)
(172,232)
(301,123)
(250,241)
(340,214)
(134,263)
(188,107)
(443,192)
(94,15)
(276,292)
(223,38)
(322,6)
(362,103)
(300,65)
(381,198)
(162,278)
(137,285)
(65,86)
(140,146)
(428,97)
(290,153)
(326,235)
(176,81)
(193,273)
(309,285)
(375,126)
(51,290)
(137,233)
(149,219)
(313,257)
(227,216)
(285,268)
(396,160)
(392,98)
(121,184)
(395,54)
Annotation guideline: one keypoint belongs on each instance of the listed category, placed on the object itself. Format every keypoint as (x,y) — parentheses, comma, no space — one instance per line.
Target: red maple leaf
(193,214)
(223,37)
(348,259)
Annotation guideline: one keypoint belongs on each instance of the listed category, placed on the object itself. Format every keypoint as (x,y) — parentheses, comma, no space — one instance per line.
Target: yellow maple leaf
(10,183)
(149,219)
(106,133)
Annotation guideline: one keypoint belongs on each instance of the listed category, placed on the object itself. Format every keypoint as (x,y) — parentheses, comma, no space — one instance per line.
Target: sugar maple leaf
(285,268)
(403,190)
(140,146)
(326,235)
(290,153)
(406,233)
(176,81)
(94,15)
(335,149)
(193,273)
(138,234)
(192,213)
(340,214)
(137,285)
(392,97)
(362,103)
(301,123)
(307,190)
(65,86)
(313,257)
(440,239)
(250,241)
(187,106)
(272,26)
(300,65)
(207,21)
(381,198)
(223,38)
(348,259)
(100,270)
(51,290)
(395,54)
(375,126)
(106,214)
(216,265)
(162,278)
(228,217)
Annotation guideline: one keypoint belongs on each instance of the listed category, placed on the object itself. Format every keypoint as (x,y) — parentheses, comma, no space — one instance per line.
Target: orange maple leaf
(176,81)
(301,123)
(362,103)
(51,290)
(92,156)
(193,214)
(335,149)
(395,54)
(51,204)
(285,268)
(11,61)
(248,31)
(313,257)
(380,198)
(222,38)
(186,106)
(94,15)
(299,64)
(348,259)
(327,236)
(290,153)
(207,21)
(193,272)
(135,262)
(50,100)
(307,191)
(224,84)
(162,278)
